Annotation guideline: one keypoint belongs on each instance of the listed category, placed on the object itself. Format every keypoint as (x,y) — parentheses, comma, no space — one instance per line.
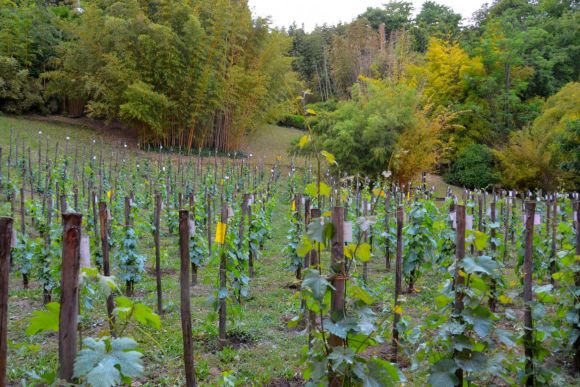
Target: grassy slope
(267,143)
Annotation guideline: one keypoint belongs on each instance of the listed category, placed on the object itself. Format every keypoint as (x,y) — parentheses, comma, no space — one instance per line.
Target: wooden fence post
(530,208)
(398,284)
(459,279)
(69,295)
(184,281)
(5,246)
(104,220)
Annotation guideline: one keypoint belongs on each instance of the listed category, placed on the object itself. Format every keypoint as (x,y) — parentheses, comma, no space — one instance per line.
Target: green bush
(474,168)
(19,92)
(292,121)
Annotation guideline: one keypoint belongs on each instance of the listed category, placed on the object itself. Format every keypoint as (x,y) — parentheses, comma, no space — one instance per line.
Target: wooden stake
(577,300)
(459,279)
(184,281)
(530,208)
(398,284)
(339,278)
(69,295)
(223,280)
(157,237)
(5,247)
(103,218)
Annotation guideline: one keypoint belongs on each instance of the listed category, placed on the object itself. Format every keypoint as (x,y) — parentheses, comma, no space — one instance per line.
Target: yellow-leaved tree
(533,158)
(446,73)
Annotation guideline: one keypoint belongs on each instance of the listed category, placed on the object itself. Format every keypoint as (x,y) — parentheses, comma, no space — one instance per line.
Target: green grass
(271,142)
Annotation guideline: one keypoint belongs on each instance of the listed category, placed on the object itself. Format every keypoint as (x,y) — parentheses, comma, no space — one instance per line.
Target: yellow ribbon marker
(293,205)
(220,233)
(109,193)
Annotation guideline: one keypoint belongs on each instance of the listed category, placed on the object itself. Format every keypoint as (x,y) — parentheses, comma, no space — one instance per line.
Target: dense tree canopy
(493,76)
(201,74)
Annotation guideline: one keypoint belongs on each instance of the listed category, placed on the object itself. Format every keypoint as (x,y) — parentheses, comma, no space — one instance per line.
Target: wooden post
(103,220)
(577,300)
(223,280)
(157,237)
(530,208)
(5,246)
(69,295)
(191,200)
(339,279)
(553,247)
(23,232)
(493,288)
(250,249)
(129,284)
(506,228)
(365,274)
(315,265)
(387,240)
(298,225)
(398,284)
(459,279)
(184,281)
(208,204)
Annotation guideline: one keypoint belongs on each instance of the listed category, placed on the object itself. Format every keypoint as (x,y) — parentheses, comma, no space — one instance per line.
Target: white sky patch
(318,12)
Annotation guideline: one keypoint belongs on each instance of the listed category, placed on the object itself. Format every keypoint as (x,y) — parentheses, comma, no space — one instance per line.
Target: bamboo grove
(178,73)
(503,267)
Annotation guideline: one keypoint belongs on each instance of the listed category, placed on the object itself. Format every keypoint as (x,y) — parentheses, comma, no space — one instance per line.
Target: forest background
(492,101)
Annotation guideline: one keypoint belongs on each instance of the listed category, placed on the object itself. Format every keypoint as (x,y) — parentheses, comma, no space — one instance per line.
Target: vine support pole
(157,237)
(339,279)
(223,275)
(69,295)
(129,284)
(577,283)
(553,246)
(387,240)
(103,220)
(298,204)
(250,249)
(459,279)
(398,284)
(365,268)
(184,281)
(493,297)
(5,246)
(314,263)
(530,208)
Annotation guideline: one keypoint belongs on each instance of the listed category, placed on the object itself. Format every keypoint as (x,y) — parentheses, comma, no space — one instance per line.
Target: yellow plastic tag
(408,195)
(109,193)
(293,205)
(220,233)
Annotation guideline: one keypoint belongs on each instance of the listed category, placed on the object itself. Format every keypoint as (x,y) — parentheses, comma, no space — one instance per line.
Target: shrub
(473,168)
(292,121)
